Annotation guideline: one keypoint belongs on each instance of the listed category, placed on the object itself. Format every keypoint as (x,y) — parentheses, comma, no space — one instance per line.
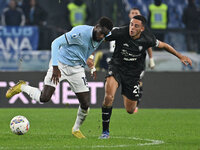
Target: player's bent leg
(82,113)
(130,105)
(21,86)
(46,93)
(15,89)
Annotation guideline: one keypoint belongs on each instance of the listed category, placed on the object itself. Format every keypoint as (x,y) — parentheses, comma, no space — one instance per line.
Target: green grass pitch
(149,129)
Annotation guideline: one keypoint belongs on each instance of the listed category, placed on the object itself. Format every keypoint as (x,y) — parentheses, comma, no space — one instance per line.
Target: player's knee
(44,99)
(109,98)
(85,105)
(130,111)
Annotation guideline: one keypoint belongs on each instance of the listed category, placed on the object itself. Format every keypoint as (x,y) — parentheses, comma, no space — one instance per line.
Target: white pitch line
(96,146)
(153,142)
(149,143)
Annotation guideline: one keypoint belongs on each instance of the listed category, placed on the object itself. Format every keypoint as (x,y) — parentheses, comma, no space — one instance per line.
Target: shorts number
(136,89)
(85,81)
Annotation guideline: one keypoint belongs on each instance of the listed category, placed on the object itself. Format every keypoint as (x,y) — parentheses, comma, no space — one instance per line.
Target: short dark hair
(135,8)
(106,22)
(141,18)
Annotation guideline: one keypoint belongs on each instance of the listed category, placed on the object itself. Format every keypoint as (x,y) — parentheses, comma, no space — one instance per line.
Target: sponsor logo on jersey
(125,44)
(130,59)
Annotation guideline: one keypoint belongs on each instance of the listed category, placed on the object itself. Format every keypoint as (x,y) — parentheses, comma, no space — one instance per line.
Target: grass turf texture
(51,129)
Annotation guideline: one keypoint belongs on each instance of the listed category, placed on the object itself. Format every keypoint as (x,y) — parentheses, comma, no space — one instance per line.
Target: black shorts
(129,82)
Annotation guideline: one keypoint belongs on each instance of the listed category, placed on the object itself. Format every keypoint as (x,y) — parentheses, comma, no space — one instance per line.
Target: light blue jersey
(73,48)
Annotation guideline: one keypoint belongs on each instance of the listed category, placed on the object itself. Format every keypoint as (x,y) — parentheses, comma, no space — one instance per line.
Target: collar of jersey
(94,43)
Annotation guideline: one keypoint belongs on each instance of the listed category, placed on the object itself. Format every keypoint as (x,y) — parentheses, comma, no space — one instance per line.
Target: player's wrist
(93,70)
(151,59)
(91,57)
(151,62)
(55,66)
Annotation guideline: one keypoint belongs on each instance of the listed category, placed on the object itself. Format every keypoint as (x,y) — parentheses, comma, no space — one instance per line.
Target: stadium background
(25,55)
(171,88)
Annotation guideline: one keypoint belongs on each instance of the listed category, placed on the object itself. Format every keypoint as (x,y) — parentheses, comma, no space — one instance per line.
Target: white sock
(81,115)
(33,92)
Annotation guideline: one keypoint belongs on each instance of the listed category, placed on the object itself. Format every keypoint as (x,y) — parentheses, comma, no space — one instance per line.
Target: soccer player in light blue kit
(70,53)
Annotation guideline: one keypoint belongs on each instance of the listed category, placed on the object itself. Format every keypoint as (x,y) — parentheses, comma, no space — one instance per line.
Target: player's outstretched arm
(184,59)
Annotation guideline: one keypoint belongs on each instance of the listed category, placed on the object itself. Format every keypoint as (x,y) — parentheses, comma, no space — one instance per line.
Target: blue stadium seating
(176,8)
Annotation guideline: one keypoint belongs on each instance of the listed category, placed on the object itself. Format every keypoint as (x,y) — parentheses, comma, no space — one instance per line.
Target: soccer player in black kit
(126,65)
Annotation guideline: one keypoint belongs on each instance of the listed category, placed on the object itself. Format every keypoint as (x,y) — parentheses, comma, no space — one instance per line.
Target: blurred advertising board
(161,90)
(62,97)
(14,38)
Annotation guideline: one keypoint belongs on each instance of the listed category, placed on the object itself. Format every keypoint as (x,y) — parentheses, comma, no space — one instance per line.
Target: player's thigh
(49,86)
(131,93)
(130,88)
(129,104)
(77,79)
(111,86)
(47,79)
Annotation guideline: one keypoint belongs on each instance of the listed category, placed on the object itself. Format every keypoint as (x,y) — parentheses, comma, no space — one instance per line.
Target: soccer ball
(19,125)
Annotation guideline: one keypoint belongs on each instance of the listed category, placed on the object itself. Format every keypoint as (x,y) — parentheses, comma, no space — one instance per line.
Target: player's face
(99,33)
(135,28)
(133,13)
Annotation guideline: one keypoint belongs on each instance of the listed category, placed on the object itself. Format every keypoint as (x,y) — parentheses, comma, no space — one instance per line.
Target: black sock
(138,102)
(106,114)
(140,95)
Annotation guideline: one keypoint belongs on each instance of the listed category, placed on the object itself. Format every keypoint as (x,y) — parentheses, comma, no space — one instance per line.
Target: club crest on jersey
(140,48)
(76,35)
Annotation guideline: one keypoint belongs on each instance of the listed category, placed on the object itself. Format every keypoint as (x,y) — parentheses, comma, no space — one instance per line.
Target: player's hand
(56,75)
(93,73)
(151,63)
(185,60)
(90,63)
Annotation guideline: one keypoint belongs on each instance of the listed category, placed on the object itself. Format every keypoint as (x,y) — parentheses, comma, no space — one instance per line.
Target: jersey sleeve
(115,34)
(55,47)
(153,42)
(74,37)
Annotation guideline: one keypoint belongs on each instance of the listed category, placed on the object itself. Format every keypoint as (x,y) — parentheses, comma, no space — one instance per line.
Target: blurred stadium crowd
(55,17)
